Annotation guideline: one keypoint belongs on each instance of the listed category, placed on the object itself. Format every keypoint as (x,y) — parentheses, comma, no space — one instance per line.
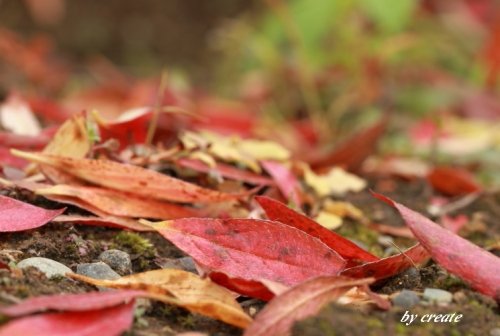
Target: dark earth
(149,251)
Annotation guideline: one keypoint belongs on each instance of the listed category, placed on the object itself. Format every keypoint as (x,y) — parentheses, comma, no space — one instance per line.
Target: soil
(84,244)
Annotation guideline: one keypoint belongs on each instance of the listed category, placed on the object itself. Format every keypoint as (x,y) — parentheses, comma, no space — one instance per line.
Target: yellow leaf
(343,209)
(329,220)
(246,152)
(184,289)
(70,140)
(337,182)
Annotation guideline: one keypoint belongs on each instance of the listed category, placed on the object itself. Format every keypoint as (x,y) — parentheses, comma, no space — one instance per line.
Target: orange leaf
(128,178)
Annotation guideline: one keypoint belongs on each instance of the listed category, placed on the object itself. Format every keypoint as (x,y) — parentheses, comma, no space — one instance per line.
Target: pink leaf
(71,302)
(285,180)
(252,249)
(471,263)
(108,321)
(18,216)
(301,301)
(390,266)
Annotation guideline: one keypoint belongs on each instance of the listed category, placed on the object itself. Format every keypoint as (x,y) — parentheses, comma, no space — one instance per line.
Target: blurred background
(339,63)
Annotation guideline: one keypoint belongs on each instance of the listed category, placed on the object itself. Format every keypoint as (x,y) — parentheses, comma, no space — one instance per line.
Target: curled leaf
(471,263)
(299,302)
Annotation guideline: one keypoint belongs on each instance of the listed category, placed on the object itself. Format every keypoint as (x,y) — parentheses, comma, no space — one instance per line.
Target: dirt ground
(148,250)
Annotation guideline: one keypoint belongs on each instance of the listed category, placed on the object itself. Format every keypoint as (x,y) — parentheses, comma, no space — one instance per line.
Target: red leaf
(109,321)
(250,288)
(285,180)
(48,110)
(23,141)
(252,249)
(131,129)
(452,181)
(7,159)
(471,263)
(390,266)
(277,211)
(18,216)
(226,171)
(71,302)
(225,117)
(300,302)
(351,153)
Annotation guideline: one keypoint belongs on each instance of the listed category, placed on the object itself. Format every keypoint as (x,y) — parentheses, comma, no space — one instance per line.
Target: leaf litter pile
(234,224)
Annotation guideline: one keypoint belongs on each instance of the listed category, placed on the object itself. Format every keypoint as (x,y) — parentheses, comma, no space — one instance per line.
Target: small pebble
(184,263)
(386,241)
(406,299)
(437,295)
(117,260)
(495,332)
(98,270)
(49,267)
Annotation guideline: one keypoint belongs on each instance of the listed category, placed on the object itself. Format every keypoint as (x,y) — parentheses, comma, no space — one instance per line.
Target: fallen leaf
(390,266)
(301,301)
(344,209)
(351,153)
(7,159)
(328,220)
(23,141)
(277,211)
(119,203)
(474,265)
(129,178)
(285,180)
(108,321)
(19,216)
(248,249)
(184,289)
(336,182)
(104,219)
(71,302)
(452,181)
(246,152)
(70,140)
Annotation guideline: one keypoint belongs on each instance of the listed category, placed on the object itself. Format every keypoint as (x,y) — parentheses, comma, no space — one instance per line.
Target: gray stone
(98,270)
(437,295)
(184,263)
(495,332)
(406,299)
(117,260)
(385,241)
(47,266)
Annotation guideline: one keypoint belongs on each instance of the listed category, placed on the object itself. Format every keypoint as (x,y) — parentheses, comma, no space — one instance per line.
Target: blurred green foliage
(361,56)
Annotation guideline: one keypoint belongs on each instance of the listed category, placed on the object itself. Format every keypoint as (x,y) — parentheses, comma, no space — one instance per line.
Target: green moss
(362,234)
(134,243)
(188,321)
